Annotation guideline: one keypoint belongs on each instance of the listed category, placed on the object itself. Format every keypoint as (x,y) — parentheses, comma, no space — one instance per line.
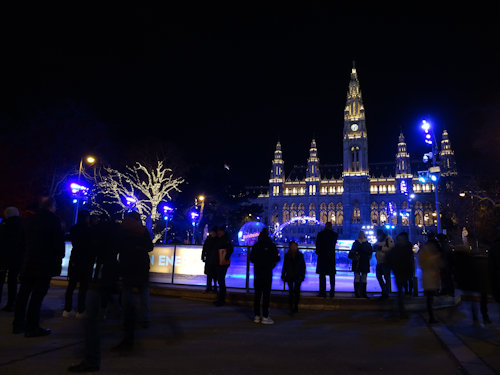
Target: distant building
(355,193)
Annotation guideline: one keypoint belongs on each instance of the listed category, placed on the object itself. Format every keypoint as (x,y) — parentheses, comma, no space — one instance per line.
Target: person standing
(360,254)
(325,249)
(80,264)
(43,259)
(209,257)
(293,273)
(264,255)
(429,258)
(224,250)
(12,251)
(103,282)
(134,244)
(400,260)
(382,247)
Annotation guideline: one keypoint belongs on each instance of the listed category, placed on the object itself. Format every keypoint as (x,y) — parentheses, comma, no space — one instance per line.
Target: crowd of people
(110,260)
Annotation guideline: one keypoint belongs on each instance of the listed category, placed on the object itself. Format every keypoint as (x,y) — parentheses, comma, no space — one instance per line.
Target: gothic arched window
(355,158)
(340,214)
(374,213)
(286,213)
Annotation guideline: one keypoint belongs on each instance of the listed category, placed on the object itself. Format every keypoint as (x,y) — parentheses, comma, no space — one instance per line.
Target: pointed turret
(447,157)
(312,172)
(277,177)
(402,159)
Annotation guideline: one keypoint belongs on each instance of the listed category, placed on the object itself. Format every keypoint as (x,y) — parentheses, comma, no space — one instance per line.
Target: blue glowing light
(433,177)
(422,179)
(426,126)
(75,200)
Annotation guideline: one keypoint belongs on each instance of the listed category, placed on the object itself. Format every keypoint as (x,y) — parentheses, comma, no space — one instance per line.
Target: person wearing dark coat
(293,273)
(12,252)
(134,244)
(80,264)
(209,257)
(430,260)
(264,255)
(103,283)
(360,254)
(382,247)
(401,261)
(447,282)
(45,250)
(224,250)
(325,250)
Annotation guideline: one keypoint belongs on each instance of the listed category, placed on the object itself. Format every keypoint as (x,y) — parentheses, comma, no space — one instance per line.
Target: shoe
(267,320)
(332,294)
(8,308)
(487,320)
(256,319)
(81,315)
(38,332)
(17,330)
(68,314)
(145,324)
(219,303)
(83,367)
(321,295)
(433,321)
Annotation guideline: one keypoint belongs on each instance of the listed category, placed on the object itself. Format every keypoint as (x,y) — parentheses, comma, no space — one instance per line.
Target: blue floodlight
(433,177)
(75,200)
(412,196)
(426,126)
(422,179)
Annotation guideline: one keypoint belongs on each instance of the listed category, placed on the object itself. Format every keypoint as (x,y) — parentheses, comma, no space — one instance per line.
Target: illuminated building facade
(354,193)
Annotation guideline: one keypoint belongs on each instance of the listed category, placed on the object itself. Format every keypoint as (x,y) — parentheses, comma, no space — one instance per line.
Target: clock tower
(355,136)
(356,196)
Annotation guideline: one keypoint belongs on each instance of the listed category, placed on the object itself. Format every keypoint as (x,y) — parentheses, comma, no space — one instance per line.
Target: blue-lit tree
(139,188)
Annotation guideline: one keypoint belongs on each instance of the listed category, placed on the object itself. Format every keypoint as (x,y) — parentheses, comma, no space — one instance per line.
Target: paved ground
(189,337)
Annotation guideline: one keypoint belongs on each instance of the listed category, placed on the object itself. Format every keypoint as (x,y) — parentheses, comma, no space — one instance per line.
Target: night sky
(223,84)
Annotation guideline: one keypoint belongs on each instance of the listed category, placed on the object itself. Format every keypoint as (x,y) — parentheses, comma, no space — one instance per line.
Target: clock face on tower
(354,127)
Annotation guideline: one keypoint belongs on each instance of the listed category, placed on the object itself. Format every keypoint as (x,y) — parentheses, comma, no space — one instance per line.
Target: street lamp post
(433,172)
(89,160)
(167,213)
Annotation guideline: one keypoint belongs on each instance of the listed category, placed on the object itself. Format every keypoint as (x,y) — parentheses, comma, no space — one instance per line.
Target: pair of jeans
(262,286)
(294,294)
(322,284)
(12,274)
(383,273)
(221,280)
(130,310)
(82,291)
(34,289)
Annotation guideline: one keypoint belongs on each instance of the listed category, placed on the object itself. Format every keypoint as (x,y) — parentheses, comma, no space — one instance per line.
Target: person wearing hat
(11,254)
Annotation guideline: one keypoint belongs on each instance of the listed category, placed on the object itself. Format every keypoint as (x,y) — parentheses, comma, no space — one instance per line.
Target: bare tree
(137,187)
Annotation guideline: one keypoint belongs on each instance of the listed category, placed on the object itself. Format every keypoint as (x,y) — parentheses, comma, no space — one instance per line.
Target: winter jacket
(294,268)
(81,260)
(429,258)
(361,253)
(12,243)
(45,247)
(134,244)
(223,243)
(382,248)
(264,255)
(401,261)
(105,254)
(209,256)
(325,249)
